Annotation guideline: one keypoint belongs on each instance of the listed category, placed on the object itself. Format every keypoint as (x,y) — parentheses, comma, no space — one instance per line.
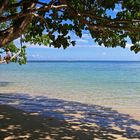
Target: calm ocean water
(115,84)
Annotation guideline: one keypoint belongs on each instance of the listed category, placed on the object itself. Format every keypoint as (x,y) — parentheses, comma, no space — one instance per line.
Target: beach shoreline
(133,111)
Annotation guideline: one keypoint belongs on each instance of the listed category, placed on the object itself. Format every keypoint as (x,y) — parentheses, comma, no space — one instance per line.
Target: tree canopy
(49,22)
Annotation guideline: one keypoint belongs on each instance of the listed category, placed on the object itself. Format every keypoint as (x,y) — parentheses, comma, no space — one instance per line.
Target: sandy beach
(40,118)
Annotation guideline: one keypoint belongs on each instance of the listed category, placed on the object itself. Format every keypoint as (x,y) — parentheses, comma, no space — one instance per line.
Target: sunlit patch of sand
(48,138)
(3,130)
(67,138)
(34,114)
(77,115)
(10,138)
(1,116)
(134,112)
(24,137)
(14,103)
(13,127)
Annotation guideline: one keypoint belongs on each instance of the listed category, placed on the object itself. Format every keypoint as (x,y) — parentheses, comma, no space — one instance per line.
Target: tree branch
(3,6)
(15,5)
(30,11)
(96,27)
(16,30)
(112,24)
(108,20)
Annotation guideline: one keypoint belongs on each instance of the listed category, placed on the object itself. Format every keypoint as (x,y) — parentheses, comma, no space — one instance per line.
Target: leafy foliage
(50,23)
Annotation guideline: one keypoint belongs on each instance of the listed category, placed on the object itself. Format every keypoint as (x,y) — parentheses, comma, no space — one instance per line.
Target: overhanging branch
(3,6)
(16,30)
(30,11)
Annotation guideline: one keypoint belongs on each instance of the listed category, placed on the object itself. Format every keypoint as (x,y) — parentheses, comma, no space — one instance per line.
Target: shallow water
(114,84)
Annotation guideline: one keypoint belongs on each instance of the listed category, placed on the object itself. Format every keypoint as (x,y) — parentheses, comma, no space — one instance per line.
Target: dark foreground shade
(26,117)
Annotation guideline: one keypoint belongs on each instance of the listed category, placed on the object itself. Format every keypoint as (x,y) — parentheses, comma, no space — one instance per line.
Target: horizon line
(83,60)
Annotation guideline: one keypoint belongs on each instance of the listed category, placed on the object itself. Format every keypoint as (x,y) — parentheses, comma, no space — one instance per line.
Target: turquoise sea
(109,83)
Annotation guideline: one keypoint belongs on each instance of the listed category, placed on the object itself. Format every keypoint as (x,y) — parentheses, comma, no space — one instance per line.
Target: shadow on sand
(42,118)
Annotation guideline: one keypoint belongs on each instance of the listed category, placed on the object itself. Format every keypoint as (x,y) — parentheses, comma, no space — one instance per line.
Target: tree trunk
(17,29)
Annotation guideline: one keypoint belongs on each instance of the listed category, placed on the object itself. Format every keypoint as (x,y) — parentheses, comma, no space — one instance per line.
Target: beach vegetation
(53,22)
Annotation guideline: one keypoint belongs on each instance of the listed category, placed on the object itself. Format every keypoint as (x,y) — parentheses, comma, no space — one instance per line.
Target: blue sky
(82,53)
(85,49)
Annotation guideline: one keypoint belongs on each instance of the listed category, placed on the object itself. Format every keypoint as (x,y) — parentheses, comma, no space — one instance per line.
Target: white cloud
(37,56)
(128,45)
(81,40)
(35,46)
(86,36)
(89,46)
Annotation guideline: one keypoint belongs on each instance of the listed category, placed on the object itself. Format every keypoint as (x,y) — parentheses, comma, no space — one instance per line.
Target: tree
(49,22)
